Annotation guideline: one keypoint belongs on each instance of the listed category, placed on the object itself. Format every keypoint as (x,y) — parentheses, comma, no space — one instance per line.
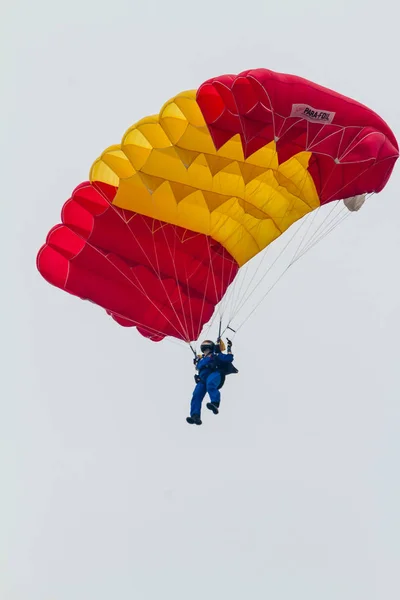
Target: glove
(197,378)
(229,345)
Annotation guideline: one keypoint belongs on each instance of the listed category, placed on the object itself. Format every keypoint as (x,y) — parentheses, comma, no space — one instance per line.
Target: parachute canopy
(171,214)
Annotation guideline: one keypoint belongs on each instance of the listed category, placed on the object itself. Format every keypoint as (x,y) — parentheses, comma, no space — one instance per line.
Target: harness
(213,365)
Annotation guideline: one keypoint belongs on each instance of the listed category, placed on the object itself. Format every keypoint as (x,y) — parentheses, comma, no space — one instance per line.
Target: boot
(213,406)
(194,420)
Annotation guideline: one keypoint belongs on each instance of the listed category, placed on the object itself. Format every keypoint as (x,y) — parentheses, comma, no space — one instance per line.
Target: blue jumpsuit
(210,379)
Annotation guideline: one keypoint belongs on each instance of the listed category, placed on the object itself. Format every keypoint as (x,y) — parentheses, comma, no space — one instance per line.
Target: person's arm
(226,357)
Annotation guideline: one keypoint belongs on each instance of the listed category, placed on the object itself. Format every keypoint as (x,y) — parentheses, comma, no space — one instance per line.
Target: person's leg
(213,382)
(195,406)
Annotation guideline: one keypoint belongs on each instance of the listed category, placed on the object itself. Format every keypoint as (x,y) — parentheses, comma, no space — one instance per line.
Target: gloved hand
(197,378)
(228,345)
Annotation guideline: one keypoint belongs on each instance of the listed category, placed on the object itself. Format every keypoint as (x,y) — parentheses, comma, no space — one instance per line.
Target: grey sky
(292,492)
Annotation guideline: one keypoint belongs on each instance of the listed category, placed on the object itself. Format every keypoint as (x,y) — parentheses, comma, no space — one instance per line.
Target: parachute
(170,216)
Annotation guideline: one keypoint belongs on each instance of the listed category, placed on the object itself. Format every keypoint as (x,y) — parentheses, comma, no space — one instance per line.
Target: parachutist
(212,367)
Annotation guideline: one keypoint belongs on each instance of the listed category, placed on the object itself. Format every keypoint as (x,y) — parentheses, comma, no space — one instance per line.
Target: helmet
(207,345)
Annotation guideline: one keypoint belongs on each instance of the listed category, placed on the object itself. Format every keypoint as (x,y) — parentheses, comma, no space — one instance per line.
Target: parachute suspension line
(185,329)
(209,272)
(184,323)
(183,304)
(178,286)
(135,323)
(127,222)
(262,299)
(310,224)
(235,293)
(237,290)
(234,296)
(329,224)
(232,290)
(229,294)
(244,301)
(236,302)
(187,277)
(300,255)
(266,253)
(232,286)
(251,292)
(329,228)
(204,298)
(138,287)
(220,306)
(218,311)
(321,225)
(211,266)
(157,272)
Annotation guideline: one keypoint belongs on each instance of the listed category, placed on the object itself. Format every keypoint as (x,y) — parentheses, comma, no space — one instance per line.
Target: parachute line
(157,274)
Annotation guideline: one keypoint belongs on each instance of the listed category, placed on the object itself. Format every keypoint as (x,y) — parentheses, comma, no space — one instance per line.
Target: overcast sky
(292,492)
